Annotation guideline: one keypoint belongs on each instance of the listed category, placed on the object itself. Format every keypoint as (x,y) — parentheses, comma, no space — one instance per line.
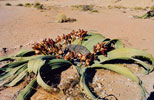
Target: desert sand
(20,27)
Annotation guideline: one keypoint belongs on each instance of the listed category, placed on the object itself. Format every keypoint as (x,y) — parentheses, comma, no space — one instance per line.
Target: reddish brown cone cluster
(79,58)
(77,55)
(50,46)
(100,48)
(69,38)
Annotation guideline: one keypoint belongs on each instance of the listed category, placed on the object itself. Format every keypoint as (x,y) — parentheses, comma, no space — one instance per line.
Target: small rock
(20,46)
(68,98)
(99,86)
(110,89)
(4,50)
(128,79)
(104,93)
(102,79)
(124,11)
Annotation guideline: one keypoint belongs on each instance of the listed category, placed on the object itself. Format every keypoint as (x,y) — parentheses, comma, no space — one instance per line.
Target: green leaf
(7,74)
(35,64)
(146,15)
(146,68)
(25,53)
(116,68)
(58,63)
(131,54)
(28,91)
(41,82)
(116,42)
(84,86)
(128,53)
(33,57)
(5,58)
(119,69)
(9,66)
(18,78)
(11,77)
(51,65)
(127,73)
(92,40)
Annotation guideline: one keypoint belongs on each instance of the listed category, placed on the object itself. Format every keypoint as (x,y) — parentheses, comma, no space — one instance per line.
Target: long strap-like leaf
(51,65)
(116,42)
(9,66)
(12,76)
(28,91)
(35,64)
(18,78)
(10,73)
(131,54)
(25,53)
(92,40)
(128,53)
(85,87)
(125,72)
(116,68)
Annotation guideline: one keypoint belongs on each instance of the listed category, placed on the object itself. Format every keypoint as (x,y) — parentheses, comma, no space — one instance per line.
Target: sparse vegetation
(139,8)
(116,6)
(120,7)
(148,14)
(52,7)
(20,4)
(28,4)
(94,10)
(38,5)
(152,8)
(85,8)
(8,4)
(116,1)
(62,18)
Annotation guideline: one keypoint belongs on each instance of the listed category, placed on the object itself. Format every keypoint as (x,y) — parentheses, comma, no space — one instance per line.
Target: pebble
(4,50)
(20,46)
(95,80)
(102,79)
(70,92)
(99,86)
(128,79)
(54,89)
(68,98)
(110,89)
(104,93)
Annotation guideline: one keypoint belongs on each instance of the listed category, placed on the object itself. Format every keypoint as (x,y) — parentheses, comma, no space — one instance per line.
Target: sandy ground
(22,26)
